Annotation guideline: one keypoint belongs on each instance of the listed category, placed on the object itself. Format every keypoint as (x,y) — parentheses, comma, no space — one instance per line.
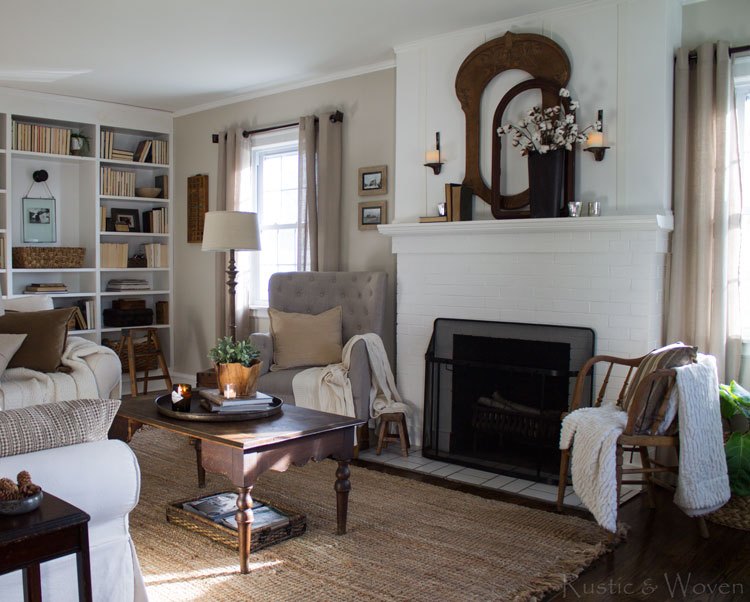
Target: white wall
(712,20)
(367,102)
(621,57)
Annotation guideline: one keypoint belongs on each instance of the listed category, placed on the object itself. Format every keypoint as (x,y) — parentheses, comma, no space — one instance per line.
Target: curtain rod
(338,116)
(732,50)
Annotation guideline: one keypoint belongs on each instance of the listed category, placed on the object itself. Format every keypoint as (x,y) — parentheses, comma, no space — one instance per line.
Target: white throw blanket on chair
(329,389)
(593,459)
(702,483)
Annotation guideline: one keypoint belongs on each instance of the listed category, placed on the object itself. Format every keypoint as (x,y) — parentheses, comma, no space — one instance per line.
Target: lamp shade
(230,230)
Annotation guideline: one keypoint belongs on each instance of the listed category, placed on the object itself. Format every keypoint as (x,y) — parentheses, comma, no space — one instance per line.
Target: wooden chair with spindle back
(646,400)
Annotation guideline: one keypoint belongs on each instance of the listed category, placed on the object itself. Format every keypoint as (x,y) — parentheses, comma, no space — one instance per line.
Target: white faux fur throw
(593,459)
(21,387)
(329,389)
(702,482)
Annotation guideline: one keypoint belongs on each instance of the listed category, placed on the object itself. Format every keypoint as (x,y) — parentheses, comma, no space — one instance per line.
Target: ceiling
(177,54)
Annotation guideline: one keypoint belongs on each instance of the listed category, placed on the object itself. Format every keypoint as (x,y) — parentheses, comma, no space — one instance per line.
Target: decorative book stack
(213,401)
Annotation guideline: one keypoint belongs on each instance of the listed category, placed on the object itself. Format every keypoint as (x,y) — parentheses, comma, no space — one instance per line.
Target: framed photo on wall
(373,180)
(371,214)
(39,219)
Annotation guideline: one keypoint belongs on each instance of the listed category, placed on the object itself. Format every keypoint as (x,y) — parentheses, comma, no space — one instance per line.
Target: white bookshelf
(75,183)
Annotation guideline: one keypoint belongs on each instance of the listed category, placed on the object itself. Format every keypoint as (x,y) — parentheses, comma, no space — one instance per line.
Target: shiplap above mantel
(552,225)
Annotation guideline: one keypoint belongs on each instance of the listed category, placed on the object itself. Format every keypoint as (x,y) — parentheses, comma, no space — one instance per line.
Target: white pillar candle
(595,139)
(229,391)
(432,156)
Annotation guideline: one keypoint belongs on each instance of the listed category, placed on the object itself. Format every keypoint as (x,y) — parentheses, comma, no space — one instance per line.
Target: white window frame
(265,144)
(742,104)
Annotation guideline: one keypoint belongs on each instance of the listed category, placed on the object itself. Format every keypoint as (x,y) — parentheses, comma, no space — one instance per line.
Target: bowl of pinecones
(20,497)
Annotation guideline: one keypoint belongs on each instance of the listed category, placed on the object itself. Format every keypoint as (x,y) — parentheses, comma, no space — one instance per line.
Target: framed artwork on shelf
(373,180)
(39,219)
(126,217)
(372,214)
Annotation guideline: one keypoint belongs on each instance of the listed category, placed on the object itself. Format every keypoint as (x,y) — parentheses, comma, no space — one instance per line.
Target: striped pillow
(50,425)
(671,356)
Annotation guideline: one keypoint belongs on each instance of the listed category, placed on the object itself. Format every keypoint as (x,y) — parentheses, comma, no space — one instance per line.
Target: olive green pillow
(305,339)
(46,335)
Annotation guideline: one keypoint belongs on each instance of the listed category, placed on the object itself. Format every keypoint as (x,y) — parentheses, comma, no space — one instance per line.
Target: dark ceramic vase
(546,183)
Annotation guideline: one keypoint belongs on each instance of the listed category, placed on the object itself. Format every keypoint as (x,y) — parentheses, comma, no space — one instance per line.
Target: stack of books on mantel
(128,284)
(45,288)
(213,401)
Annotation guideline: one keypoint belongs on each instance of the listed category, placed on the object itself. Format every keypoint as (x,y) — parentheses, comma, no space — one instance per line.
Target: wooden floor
(663,557)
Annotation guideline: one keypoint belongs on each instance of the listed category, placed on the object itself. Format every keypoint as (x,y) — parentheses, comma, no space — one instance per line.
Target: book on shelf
(40,138)
(163,183)
(46,287)
(142,151)
(116,182)
(121,155)
(427,219)
(86,307)
(155,221)
(77,320)
(458,202)
(113,255)
(157,255)
(127,284)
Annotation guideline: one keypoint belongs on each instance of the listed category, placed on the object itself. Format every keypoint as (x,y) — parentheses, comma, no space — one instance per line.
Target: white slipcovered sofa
(91,370)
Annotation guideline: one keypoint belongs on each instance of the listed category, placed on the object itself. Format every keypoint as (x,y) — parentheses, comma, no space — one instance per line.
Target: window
(742,103)
(273,194)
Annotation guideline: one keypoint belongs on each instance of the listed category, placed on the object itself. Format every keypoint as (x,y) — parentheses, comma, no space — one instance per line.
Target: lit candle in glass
(229,391)
(181,397)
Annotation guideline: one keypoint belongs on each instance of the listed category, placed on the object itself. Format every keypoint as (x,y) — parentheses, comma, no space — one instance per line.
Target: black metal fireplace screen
(495,391)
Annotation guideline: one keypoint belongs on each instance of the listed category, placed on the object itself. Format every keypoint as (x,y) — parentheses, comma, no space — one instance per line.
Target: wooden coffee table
(244,450)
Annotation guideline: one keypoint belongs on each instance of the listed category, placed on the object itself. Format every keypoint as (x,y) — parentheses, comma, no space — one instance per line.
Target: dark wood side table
(56,528)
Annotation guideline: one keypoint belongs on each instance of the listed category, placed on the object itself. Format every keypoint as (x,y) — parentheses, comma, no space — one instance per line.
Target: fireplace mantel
(551,225)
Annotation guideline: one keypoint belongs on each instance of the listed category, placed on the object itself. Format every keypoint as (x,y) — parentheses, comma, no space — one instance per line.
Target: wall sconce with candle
(595,141)
(432,157)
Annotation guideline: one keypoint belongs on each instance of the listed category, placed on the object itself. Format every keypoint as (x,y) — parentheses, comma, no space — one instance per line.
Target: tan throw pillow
(305,339)
(9,344)
(47,333)
(50,425)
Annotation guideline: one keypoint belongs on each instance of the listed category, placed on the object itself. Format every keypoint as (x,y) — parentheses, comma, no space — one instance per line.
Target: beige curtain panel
(319,215)
(234,156)
(703,297)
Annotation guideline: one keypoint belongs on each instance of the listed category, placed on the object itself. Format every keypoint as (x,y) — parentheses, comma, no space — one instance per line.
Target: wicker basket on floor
(260,538)
(735,513)
(48,257)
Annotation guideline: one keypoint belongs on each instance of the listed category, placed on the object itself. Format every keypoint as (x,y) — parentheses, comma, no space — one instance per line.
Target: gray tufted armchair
(361,296)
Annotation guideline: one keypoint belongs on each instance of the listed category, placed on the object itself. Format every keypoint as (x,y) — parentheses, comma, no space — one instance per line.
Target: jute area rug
(406,540)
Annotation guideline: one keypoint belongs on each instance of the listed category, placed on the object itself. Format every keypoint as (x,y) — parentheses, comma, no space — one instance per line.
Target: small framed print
(129,218)
(372,214)
(373,180)
(39,219)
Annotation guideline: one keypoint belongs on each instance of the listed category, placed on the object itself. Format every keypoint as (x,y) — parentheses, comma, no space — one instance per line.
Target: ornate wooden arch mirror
(535,54)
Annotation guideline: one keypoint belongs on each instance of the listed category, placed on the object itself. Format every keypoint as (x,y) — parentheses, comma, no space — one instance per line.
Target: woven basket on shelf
(48,257)
(140,347)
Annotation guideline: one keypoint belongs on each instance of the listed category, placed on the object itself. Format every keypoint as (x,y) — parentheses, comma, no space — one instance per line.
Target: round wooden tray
(198,413)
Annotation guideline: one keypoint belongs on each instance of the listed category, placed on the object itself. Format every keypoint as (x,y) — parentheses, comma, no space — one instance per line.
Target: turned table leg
(244,518)
(342,487)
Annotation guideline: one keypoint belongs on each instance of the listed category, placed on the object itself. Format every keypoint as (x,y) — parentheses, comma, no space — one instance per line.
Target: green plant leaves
(738,463)
(734,400)
(228,351)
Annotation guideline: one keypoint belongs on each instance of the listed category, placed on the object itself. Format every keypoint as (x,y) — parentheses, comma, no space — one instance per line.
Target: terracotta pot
(244,378)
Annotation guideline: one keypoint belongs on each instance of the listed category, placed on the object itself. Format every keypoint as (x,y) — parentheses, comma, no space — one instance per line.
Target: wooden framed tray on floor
(213,516)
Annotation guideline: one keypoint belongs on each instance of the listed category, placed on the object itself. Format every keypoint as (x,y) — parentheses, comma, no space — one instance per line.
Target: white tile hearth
(453,472)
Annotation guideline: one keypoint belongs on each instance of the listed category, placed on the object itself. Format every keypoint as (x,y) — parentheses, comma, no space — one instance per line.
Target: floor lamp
(231,231)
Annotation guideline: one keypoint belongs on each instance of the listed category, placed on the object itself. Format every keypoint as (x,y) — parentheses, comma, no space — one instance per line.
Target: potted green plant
(237,364)
(79,143)
(735,410)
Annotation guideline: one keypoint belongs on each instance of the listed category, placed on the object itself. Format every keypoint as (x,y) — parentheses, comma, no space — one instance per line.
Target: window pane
(269,208)
(287,241)
(289,172)
(271,172)
(288,209)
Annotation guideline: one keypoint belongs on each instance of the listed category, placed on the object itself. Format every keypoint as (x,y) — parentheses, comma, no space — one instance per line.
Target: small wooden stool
(401,435)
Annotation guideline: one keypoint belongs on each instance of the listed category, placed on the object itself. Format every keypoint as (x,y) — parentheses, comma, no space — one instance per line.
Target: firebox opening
(495,392)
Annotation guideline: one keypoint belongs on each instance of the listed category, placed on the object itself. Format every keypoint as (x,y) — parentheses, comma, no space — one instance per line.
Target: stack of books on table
(128,284)
(213,401)
(45,288)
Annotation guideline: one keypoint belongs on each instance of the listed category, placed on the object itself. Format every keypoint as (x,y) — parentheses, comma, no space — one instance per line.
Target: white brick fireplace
(606,273)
